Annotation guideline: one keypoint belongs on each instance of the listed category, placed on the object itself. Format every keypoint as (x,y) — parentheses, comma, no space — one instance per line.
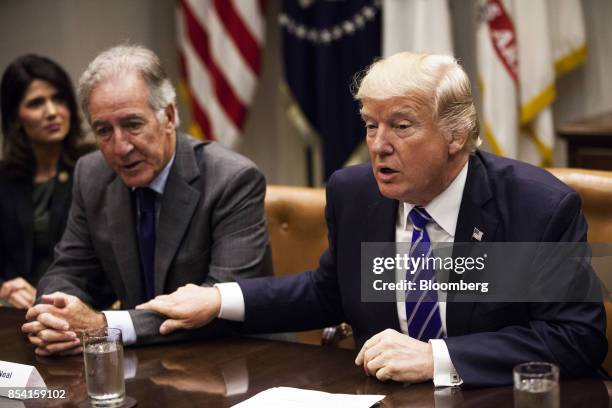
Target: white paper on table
(287,397)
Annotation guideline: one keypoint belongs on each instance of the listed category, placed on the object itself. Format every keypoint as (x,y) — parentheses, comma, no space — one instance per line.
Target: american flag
(220,47)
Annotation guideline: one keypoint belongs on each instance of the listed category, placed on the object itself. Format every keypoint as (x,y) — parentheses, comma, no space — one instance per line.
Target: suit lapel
(178,204)
(120,216)
(381,218)
(475,215)
(380,227)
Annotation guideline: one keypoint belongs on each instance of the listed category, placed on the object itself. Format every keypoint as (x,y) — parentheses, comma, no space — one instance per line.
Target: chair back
(298,234)
(297,227)
(595,189)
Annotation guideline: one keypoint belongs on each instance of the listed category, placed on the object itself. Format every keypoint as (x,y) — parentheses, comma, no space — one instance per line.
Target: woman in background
(41,135)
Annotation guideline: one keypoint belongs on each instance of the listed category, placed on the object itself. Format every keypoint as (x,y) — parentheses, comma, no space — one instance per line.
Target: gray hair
(121,60)
(438,78)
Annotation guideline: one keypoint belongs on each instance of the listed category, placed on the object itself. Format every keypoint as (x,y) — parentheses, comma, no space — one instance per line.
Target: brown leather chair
(595,189)
(297,227)
(298,236)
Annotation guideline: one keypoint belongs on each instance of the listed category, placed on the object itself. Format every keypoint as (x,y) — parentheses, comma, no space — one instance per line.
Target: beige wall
(73,31)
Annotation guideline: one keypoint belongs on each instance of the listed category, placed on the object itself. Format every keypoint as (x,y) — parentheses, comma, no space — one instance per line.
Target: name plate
(16,376)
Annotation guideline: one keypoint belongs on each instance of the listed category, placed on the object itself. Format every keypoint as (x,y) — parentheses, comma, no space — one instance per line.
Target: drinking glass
(536,384)
(103,354)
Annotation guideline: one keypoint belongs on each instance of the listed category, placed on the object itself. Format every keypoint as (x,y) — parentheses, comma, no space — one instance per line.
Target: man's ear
(170,113)
(456,142)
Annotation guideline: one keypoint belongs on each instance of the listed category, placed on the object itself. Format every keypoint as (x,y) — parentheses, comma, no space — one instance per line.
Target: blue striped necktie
(145,198)
(422,309)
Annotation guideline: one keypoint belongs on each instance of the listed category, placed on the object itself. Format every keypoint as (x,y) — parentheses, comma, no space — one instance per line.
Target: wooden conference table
(222,373)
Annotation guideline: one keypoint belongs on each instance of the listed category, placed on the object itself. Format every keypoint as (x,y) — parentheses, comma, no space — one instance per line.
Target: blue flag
(325,43)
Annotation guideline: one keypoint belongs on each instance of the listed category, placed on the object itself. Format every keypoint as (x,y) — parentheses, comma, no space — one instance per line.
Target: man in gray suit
(153,210)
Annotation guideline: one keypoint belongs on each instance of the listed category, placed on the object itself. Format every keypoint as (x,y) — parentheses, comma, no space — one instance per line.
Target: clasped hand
(18,292)
(390,355)
(55,324)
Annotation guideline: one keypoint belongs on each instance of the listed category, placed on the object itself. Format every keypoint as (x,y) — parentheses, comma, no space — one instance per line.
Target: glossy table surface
(221,373)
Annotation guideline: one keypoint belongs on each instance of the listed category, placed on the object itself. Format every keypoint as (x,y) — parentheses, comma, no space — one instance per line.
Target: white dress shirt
(444,209)
(120,319)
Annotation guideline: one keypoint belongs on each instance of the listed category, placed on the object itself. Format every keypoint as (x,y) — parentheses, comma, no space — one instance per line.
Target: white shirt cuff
(120,319)
(232,301)
(445,374)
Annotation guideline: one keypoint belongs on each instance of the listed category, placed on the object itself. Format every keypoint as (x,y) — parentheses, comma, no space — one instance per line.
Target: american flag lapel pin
(477,234)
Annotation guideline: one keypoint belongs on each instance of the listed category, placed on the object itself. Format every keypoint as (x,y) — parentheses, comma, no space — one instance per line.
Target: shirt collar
(444,208)
(159,183)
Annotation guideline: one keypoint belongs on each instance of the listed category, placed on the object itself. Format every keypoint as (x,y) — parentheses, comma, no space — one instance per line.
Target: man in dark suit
(426,183)
(152,211)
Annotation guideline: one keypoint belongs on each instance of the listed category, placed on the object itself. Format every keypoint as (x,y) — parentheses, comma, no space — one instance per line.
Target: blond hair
(438,78)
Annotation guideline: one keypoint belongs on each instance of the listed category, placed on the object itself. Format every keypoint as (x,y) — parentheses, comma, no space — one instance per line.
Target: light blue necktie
(422,309)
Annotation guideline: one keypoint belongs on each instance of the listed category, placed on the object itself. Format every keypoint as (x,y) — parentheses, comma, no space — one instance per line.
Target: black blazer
(509,201)
(17,223)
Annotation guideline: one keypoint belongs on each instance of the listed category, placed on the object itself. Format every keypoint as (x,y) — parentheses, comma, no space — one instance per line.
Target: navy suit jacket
(509,201)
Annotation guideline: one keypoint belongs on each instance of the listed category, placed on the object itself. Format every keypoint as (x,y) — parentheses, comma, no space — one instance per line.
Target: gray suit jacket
(211,228)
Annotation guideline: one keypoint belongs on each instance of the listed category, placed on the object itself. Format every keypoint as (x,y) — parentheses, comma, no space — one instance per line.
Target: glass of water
(536,384)
(103,354)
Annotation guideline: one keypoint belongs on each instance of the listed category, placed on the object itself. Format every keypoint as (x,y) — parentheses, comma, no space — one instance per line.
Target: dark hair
(18,157)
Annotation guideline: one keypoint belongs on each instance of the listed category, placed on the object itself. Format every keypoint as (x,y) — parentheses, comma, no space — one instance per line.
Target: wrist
(101,322)
(429,366)
(217,302)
